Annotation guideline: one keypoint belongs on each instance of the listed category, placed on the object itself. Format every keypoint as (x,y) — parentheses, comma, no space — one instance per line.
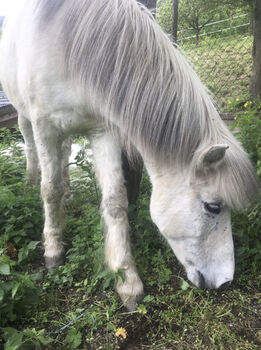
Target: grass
(224,65)
(35,304)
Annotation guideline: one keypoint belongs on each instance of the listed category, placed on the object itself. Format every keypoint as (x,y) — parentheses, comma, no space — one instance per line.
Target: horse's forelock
(237,181)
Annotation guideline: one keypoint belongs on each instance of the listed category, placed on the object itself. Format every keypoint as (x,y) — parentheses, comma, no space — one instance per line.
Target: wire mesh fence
(222,56)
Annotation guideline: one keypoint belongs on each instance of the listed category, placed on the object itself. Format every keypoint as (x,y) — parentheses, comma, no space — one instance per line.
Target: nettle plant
(20,234)
(247,225)
(24,283)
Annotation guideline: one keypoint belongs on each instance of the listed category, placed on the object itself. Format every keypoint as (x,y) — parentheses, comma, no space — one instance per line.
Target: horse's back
(32,74)
(9,51)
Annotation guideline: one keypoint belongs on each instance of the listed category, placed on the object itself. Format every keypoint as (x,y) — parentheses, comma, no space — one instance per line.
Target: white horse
(105,69)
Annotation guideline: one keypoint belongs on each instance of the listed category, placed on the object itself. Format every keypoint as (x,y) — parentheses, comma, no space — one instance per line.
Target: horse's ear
(214,154)
(211,158)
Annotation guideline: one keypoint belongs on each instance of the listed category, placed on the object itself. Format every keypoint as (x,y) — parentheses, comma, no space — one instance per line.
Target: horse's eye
(214,208)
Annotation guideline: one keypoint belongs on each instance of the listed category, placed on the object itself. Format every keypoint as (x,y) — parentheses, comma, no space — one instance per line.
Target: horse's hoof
(130,304)
(130,291)
(51,263)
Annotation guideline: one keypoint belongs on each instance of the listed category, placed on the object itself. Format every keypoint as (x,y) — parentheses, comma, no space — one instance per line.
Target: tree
(255,81)
(164,15)
(197,14)
(175,7)
(198,10)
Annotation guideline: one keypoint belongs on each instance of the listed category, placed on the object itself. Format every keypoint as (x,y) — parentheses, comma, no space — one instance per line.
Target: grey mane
(147,88)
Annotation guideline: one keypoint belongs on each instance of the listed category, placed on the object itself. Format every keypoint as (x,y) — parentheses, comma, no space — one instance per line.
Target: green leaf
(24,251)
(32,245)
(15,289)
(14,339)
(44,339)
(142,309)
(106,283)
(2,293)
(73,339)
(184,285)
(4,269)
(148,299)
(6,196)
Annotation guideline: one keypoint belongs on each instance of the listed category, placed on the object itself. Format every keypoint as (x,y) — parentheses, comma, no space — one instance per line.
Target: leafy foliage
(75,306)
(197,14)
(247,113)
(247,225)
(20,233)
(27,339)
(164,14)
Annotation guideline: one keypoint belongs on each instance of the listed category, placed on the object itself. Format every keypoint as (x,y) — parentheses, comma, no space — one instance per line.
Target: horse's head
(195,220)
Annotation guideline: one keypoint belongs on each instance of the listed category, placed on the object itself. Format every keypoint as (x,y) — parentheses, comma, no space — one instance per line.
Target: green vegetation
(219,64)
(35,305)
(222,54)
(194,16)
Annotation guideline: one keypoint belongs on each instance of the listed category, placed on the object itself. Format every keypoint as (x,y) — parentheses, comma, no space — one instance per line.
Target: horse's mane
(146,86)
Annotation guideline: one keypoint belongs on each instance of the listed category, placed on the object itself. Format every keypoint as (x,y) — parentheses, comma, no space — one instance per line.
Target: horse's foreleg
(25,127)
(107,156)
(49,148)
(66,152)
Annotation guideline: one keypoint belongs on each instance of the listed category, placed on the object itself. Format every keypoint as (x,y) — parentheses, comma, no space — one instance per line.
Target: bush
(74,306)
(247,225)
(20,235)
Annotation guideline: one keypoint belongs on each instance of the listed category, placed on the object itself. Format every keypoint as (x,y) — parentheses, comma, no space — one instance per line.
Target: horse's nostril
(201,280)
(203,283)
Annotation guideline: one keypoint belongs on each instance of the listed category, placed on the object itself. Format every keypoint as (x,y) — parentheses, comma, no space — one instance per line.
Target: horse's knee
(116,211)
(51,192)
(116,205)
